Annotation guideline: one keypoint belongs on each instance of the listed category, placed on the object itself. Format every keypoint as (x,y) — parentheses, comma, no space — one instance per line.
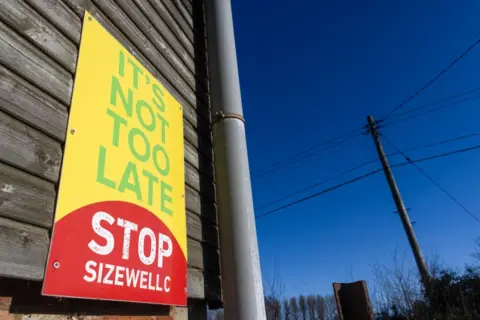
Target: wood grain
(23,250)
(59,14)
(30,24)
(32,64)
(29,246)
(186,23)
(28,103)
(26,148)
(27,198)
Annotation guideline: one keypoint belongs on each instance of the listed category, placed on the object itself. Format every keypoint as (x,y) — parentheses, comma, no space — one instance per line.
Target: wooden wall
(39,41)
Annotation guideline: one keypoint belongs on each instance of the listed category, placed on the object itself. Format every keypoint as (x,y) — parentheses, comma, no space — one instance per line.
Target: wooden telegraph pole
(402,212)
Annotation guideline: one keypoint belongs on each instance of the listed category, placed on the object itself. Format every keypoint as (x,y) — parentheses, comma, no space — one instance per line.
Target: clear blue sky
(311,70)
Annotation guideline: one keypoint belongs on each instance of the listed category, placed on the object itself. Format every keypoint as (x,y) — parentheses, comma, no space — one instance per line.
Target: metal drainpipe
(241,275)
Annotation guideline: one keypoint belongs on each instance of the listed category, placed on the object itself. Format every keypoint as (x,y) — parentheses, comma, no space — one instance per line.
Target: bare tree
(320,307)
(302,302)
(287,310)
(273,308)
(396,288)
(311,307)
(330,308)
(294,308)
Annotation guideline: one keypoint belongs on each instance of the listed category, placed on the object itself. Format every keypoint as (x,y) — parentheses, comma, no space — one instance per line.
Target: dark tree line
(311,307)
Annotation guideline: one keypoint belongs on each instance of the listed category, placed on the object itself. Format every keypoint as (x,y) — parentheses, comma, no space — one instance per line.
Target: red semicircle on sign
(75,270)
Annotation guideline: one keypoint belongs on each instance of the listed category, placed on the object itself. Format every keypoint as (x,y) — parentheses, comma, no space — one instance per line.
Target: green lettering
(136,70)
(164,187)
(142,104)
(157,91)
(151,179)
(130,170)
(121,64)
(166,170)
(165,125)
(117,90)
(102,154)
(135,132)
(117,121)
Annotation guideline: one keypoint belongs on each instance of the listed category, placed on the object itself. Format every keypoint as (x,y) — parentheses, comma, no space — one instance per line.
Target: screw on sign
(120,222)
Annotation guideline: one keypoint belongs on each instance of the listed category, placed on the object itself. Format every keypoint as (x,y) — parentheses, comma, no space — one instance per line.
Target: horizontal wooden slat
(203,257)
(26,148)
(26,198)
(24,101)
(23,57)
(184,11)
(185,24)
(202,230)
(124,23)
(188,5)
(60,15)
(23,250)
(183,48)
(185,37)
(191,109)
(186,68)
(30,24)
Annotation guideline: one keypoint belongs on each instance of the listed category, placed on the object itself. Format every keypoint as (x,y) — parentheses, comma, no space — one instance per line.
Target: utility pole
(402,212)
(241,275)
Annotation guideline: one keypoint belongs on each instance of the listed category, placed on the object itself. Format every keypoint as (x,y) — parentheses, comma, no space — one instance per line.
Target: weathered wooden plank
(186,23)
(186,38)
(29,149)
(191,108)
(32,151)
(121,20)
(23,250)
(33,106)
(59,14)
(186,68)
(184,11)
(25,59)
(202,230)
(29,245)
(184,49)
(203,257)
(30,24)
(188,5)
(26,198)
(199,205)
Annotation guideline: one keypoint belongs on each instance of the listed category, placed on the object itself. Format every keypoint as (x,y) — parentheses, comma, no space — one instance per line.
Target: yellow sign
(123,180)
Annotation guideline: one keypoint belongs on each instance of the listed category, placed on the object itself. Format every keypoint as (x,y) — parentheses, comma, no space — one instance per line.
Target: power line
(290,195)
(313,185)
(433,181)
(363,177)
(429,83)
(429,111)
(457,95)
(310,152)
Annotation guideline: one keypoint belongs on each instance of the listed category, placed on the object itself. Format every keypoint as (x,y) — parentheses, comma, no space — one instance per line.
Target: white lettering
(149,258)
(119,276)
(89,269)
(162,252)
(100,272)
(128,226)
(143,279)
(104,233)
(157,287)
(132,277)
(150,287)
(110,268)
(167,278)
